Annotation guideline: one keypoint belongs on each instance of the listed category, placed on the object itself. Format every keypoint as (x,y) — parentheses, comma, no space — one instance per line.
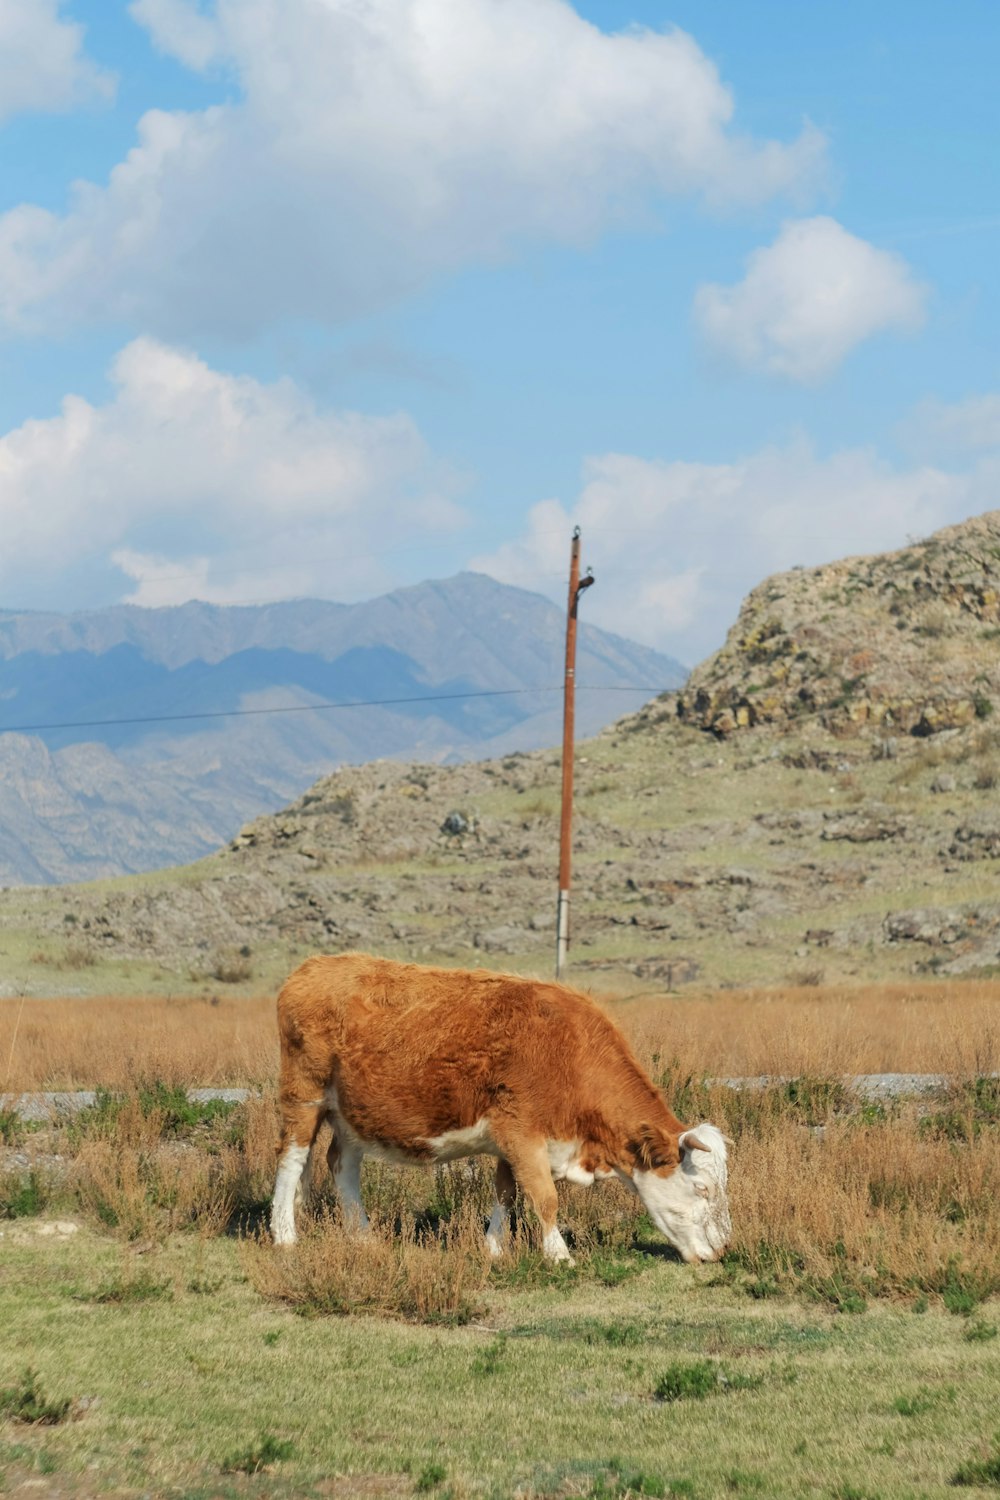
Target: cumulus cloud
(42,63)
(808,300)
(675,546)
(372,146)
(198,484)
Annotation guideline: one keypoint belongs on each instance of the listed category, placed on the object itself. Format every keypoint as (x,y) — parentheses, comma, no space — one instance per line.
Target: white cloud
(195,483)
(808,300)
(676,546)
(42,64)
(373,146)
(958,427)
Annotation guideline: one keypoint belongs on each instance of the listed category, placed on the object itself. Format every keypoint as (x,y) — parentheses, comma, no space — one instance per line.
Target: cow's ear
(652,1148)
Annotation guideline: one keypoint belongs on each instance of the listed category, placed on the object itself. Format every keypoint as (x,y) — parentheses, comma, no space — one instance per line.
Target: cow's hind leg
(499,1225)
(344,1159)
(530,1163)
(300,1124)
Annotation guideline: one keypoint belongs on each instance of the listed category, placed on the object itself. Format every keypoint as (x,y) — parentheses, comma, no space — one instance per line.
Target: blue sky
(323,298)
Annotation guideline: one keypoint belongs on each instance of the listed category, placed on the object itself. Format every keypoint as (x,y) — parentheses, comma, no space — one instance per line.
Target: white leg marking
(554,1247)
(497,1231)
(283,1204)
(304,1186)
(347,1180)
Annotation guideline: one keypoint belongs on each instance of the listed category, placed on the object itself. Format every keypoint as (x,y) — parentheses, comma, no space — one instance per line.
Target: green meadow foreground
(153,1341)
(185,1379)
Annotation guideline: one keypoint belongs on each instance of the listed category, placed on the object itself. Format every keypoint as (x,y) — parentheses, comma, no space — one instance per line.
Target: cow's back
(414,1051)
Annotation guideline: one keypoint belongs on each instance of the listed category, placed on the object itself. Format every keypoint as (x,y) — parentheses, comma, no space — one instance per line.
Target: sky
(325,297)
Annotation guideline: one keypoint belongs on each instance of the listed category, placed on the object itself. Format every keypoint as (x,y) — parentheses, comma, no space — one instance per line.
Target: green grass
(554,1391)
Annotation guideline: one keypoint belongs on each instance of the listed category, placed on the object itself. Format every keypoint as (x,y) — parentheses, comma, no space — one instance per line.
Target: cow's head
(686,1198)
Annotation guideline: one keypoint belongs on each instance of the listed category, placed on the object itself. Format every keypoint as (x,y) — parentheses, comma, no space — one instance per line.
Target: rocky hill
(802,845)
(903,642)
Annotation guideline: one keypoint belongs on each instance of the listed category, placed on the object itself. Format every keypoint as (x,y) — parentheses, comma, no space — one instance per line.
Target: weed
(269,1450)
(915,1405)
(979,1471)
(843,1292)
(205,1286)
(980,1332)
(23,1196)
(26,1402)
(620,1335)
(431,1475)
(612,1270)
(128,1291)
(973,1105)
(621,1485)
(489,1360)
(688,1382)
(746,1481)
(175,1115)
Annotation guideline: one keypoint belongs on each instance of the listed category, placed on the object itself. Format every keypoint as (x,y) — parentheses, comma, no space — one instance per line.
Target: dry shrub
(148,1194)
(987,776)
(872,1208)
(134,1171)
(334,1269)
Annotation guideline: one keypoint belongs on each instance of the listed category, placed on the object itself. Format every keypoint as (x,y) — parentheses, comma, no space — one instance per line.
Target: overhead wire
(302,708)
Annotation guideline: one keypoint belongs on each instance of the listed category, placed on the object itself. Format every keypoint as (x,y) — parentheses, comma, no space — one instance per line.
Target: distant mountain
(133,738)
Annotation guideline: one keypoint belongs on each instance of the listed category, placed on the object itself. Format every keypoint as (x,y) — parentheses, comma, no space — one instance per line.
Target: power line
(306,708)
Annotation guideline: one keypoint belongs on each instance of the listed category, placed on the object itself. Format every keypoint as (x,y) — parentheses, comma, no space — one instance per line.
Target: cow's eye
(701,1190)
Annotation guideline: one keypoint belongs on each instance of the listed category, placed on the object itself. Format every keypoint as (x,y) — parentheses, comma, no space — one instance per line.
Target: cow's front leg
(530,1163)
(499,1226)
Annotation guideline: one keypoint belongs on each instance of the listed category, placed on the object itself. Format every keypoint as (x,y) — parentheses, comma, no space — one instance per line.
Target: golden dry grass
(943,1026)
(828,1193)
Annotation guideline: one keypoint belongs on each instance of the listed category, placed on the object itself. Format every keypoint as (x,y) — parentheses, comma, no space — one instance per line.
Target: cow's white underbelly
(453,1145)
(473,1140)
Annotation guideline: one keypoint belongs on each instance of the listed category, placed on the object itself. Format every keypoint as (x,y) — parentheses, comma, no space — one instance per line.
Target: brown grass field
(893,1197)
(928,1026)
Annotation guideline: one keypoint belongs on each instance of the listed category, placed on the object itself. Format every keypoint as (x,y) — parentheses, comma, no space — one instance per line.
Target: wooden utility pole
(576,588)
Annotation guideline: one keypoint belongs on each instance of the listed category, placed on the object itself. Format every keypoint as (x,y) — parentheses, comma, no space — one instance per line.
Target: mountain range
(134,738)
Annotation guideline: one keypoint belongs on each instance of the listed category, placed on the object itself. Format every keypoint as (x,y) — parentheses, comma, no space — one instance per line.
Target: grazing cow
(415,1064)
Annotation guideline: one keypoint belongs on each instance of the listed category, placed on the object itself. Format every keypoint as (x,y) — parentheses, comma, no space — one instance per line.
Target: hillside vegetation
(734,833)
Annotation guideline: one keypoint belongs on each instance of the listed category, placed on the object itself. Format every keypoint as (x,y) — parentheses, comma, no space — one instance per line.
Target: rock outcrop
(901,643)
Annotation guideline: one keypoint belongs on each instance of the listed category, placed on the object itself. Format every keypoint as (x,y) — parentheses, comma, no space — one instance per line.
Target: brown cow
(415,1064)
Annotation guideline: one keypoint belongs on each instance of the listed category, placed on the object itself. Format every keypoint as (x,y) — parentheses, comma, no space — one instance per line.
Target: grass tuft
(264,1454)
(26,1402)
(688,1382)
(979,1472)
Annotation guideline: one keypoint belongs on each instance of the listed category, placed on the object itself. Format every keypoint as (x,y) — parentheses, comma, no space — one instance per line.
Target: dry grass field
(913,1027)
(628,1374)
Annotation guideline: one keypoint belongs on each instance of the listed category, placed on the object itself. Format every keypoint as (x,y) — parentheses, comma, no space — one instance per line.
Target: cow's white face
(688,1203)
